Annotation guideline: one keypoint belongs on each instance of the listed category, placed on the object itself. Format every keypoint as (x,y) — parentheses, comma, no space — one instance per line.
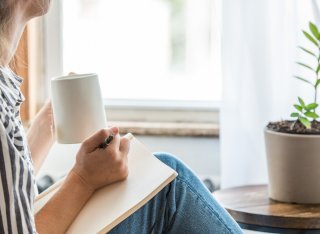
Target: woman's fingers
(115,143)
(124,145)
(93,142)
(97,139)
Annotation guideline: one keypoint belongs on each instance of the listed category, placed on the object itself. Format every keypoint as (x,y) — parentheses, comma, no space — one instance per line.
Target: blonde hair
(5,17)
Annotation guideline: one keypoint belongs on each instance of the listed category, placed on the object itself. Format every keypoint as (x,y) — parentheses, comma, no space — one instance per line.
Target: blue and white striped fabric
(17,182)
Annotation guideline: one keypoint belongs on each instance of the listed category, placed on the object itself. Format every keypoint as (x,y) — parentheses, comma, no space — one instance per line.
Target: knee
(171,161)
(184,172)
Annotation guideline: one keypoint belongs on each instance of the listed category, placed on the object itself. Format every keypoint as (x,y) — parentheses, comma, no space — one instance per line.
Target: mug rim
(74,76)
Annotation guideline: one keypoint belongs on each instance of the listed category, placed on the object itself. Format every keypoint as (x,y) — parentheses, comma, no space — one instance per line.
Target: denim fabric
(184,206)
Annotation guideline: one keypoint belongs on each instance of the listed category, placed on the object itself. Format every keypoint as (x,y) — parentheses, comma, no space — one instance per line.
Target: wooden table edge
(269,221)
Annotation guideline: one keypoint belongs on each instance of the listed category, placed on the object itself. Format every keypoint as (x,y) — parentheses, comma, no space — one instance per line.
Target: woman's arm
(95,167)
(41,136)
(60,211)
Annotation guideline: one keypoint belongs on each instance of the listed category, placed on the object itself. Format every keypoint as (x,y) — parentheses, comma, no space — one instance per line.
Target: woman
(184,206)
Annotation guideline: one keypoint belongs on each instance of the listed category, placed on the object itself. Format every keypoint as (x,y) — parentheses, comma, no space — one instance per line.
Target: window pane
(145,49)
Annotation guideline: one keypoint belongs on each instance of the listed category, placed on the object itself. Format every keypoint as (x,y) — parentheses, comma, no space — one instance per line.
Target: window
(153,53)
(143,49)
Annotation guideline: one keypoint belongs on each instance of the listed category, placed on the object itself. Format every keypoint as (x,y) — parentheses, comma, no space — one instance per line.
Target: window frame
(118,110)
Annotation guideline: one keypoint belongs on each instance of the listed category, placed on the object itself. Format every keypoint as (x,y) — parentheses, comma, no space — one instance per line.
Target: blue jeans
(184,206)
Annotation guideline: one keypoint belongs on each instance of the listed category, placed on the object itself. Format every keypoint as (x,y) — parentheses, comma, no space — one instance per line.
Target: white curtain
(259,51)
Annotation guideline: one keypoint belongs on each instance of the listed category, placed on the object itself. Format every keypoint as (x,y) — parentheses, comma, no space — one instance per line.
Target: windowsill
(163,118)
(168,129)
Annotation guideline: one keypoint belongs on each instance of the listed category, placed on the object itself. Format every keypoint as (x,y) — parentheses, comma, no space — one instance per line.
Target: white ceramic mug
(78,108)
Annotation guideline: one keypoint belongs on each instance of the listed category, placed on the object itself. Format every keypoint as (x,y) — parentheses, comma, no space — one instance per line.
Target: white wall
(201,154)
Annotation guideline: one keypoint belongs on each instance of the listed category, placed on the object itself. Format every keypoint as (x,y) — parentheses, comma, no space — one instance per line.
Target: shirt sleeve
(16,202)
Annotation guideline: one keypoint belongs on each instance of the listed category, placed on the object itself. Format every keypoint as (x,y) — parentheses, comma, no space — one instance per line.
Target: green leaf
(301,102)
(306,66)
(295,115)
(318,68)
(305,122)
(310,38)
(308,51)
(313,28)
(311,115)
(303,79)
(299,108)
(317,83)
(312,106)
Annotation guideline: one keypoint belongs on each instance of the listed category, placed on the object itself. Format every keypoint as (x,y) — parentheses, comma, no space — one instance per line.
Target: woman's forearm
(39,145)
(59,212)
(40,136)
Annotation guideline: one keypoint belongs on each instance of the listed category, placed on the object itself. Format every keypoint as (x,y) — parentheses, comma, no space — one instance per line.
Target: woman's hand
(98,167)
(41,135)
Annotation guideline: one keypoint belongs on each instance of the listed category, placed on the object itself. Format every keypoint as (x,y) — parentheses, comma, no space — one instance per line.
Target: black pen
(106,142)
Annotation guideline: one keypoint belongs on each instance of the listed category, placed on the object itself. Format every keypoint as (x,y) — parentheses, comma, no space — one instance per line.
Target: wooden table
(253,210)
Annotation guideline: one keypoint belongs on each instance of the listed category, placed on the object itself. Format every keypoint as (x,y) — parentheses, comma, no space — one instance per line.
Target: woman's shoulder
(6,113)
(10,93)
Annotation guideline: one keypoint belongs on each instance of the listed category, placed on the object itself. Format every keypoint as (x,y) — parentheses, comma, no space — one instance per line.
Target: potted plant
(293,146)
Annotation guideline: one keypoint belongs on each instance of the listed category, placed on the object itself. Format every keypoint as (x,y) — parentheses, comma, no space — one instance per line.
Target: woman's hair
(5,17)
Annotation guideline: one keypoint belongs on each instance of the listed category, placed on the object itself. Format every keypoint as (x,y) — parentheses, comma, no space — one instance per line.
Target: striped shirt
(17,182)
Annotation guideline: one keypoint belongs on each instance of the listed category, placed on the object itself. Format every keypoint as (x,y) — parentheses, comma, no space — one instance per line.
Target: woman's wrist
(75,180)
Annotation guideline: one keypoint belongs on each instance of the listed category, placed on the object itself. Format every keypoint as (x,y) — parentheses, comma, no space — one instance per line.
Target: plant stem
(315,96)
(316,88)
(293,124)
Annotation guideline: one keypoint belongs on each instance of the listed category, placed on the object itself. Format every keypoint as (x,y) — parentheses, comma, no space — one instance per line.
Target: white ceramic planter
(293,167)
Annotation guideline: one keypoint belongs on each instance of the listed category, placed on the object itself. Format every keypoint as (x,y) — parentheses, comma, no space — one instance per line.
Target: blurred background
(197,78)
